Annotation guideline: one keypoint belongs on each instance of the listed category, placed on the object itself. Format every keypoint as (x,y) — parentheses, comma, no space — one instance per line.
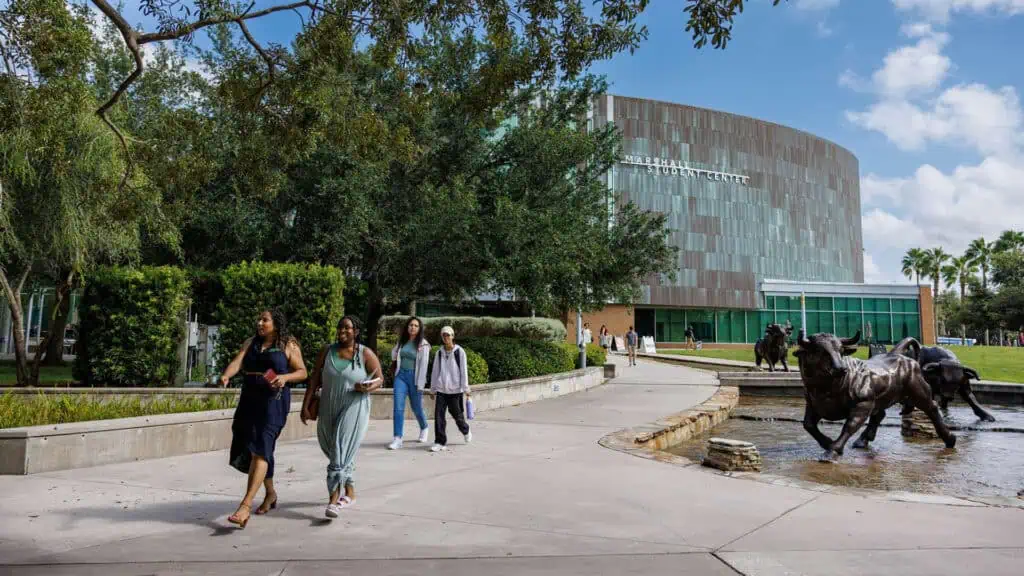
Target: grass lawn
(992,363)
(17,410)
(47,374)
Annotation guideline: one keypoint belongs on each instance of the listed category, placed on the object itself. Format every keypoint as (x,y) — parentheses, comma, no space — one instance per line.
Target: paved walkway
(534,494)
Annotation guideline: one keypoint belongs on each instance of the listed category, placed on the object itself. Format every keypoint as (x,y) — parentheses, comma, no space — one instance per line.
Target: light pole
(579,338)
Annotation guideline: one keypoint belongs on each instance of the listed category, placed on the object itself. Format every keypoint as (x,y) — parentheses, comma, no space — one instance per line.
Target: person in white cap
(450,381)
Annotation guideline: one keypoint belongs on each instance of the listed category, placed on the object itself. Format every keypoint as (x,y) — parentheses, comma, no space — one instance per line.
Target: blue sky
(924,92)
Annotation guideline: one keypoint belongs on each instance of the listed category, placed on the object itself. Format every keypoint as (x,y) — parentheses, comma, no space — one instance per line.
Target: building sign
(666,167)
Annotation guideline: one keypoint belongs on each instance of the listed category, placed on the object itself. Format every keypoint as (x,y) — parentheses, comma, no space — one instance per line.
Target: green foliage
(17,410)
(480,326)
(312,298)
(132,322)
(514,358)
(477,366)
(596,356)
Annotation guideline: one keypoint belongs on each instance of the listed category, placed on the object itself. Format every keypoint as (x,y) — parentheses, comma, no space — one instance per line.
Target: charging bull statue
(837,387)
(945,375)
(772,347)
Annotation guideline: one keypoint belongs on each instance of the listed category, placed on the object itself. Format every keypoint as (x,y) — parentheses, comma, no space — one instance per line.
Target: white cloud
(940,10)
(872,273)
(913,109)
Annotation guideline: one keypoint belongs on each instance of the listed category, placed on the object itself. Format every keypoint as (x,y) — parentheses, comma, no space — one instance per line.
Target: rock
(732,455)
(917,425)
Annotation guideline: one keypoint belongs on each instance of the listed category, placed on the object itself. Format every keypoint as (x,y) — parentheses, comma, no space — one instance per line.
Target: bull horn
(801,339)
(971,373)
(930,367)
(851,341)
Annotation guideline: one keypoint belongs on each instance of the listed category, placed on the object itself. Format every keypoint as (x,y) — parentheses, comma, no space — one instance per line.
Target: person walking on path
(343,414)
(268,361)
(604,337)
(631,341)
(410,357)
(588,336)
(450,381)
(690,343)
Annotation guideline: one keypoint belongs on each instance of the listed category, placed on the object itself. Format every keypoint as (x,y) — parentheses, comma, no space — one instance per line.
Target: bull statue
(945,375)
(837,387)
(772,347)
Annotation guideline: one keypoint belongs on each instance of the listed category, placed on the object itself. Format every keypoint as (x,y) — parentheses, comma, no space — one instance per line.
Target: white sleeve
(465,371)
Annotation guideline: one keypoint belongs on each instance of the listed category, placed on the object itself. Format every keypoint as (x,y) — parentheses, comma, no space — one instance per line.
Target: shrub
(481,327)
(515,358)
(312,297)
(596,356)
(41,409)
(132,323)
(477,366)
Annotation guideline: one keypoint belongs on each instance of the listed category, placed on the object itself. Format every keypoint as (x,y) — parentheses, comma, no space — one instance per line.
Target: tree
(959,271)
(564,39)
(914,262)
(1009,240)
(59,167)
(980,252)
(935,259)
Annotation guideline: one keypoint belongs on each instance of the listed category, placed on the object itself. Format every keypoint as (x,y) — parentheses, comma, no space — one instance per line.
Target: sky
(924,92)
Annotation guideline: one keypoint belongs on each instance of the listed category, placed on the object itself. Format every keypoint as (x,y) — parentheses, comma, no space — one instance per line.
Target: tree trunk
(963,304)
(61,293)
(13,295)
(374,311)
(935,298)
(61,311)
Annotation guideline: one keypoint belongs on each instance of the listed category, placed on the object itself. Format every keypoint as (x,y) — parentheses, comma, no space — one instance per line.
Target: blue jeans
(405,385)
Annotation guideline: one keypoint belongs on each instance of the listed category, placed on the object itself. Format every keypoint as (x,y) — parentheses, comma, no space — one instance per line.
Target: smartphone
(367,383)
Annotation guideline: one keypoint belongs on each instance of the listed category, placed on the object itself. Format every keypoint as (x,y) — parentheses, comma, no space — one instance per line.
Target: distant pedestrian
(450,381)
(605,338)
(346,372)
(410,357)
(631,342)
(588,336)
(269,361)
(690,343)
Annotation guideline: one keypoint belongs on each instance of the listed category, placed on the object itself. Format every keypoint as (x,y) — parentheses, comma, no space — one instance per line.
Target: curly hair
(283,336)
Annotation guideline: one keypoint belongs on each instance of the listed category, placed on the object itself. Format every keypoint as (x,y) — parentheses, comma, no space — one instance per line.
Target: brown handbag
(314,402)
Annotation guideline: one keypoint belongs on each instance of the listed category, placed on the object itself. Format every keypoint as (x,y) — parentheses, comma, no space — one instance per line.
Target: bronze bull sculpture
(945,374)
(837,387)
(772,347)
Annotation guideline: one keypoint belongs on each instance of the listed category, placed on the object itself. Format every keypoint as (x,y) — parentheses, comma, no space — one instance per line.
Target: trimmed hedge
(596,356)
(547,329)
(478,369)
(132,322)
(515,358)
(312,297)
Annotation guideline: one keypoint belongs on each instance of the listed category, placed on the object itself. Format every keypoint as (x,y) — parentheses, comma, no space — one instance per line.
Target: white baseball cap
(448,330)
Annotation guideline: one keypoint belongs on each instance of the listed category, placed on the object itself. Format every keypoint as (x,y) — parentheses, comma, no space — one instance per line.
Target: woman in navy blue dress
(262,407)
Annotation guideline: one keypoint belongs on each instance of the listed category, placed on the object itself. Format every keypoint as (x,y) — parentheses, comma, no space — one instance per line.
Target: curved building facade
(746,200)
(761,214)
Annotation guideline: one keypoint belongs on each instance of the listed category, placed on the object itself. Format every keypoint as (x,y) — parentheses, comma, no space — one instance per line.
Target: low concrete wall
(671,430)
(789,384)
(701,363)
(82,444)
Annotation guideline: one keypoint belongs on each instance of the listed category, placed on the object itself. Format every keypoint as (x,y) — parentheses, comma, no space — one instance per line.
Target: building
(760,213)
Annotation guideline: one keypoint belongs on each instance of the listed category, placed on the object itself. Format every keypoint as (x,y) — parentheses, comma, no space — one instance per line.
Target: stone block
(732,456)
(918,425)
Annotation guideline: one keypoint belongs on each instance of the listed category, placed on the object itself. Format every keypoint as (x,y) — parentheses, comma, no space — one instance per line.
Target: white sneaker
(469,437)
(395,444)
(438,448)
(423,435)
(333,511)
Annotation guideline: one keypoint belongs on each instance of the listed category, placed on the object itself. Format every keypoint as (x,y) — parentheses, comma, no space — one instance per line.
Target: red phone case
(269,375)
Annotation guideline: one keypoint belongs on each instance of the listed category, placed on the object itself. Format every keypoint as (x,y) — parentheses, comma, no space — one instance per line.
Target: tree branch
(263,54)
(222,19)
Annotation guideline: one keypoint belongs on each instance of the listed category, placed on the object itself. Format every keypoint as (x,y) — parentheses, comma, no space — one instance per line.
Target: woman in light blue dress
(346,374)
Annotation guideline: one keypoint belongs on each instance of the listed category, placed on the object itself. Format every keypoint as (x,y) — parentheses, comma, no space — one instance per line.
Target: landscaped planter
(82,444)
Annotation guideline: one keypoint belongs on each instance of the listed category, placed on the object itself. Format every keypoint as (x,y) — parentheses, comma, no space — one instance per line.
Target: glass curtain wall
(890,319)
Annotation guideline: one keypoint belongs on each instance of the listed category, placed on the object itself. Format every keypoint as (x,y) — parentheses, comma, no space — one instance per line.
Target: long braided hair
(356,333)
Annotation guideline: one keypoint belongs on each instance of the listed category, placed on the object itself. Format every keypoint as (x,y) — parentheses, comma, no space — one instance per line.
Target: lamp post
(803,312)
(579,338)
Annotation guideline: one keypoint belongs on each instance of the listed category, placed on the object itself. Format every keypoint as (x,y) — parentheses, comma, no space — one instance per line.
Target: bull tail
(909,347)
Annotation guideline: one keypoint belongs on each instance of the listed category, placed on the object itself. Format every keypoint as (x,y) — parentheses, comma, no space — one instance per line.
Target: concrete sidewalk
(533,494)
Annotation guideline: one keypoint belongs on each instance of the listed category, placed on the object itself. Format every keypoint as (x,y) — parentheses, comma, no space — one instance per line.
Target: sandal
(264,508)
(234,519)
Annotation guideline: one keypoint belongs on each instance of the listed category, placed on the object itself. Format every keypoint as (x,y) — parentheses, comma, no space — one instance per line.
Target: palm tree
(981,253)
(937,258)
(913,264)
(959,271)
(1009,240)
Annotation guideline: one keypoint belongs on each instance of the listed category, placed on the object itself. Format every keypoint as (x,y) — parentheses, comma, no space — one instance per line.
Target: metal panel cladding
(746,200)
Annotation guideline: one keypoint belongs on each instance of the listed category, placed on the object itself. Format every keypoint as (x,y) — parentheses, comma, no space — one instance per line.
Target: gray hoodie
(449,376)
